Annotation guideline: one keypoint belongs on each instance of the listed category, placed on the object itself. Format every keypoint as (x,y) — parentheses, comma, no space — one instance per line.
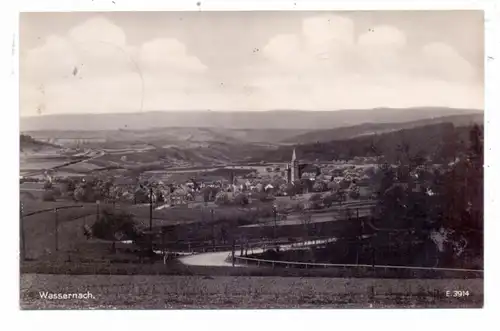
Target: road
(219,258)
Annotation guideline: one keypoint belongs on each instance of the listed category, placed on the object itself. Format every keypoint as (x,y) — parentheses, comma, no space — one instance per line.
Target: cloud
(447,62)
(98,29)
(94,69)
(168,54)
(328,66)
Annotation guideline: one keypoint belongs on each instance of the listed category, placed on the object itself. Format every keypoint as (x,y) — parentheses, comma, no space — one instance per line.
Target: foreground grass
(177,292)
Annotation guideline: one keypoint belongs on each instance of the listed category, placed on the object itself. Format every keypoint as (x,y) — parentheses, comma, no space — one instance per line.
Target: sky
(118,62)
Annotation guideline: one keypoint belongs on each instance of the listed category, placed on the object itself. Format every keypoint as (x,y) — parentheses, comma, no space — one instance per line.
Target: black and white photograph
(251,159)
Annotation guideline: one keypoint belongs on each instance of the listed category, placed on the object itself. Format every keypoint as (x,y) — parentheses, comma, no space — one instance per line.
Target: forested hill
(441,141)
(366,129)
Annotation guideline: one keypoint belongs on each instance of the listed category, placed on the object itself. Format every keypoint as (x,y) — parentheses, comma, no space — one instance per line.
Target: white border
(201,320)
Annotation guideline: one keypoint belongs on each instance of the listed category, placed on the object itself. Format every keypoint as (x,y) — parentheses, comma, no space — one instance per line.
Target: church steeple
(294,168)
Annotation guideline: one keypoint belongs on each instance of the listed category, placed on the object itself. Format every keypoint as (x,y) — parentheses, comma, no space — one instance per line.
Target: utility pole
(97,212)
(56,223)
(21,227)
(275,223)
(213,230)
(151,217)
(360,238)
(233,252)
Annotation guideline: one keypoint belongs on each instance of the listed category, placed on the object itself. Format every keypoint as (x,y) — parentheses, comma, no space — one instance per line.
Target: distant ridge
(274,119)
(364,129)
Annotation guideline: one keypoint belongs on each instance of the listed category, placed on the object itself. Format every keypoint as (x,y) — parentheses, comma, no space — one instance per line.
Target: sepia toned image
(251,160)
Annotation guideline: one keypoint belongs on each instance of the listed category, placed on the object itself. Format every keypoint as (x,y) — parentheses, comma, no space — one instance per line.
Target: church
(296,171)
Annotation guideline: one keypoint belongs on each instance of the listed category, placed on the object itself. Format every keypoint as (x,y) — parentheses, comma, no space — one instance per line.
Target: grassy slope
(40,230)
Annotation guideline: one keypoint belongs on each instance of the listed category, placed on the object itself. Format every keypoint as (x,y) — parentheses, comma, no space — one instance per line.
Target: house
(338,179)
(310,172)
(337,172)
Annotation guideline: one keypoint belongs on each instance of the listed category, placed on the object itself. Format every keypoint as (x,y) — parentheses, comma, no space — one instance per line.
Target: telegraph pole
(275,223)
(232,253)
(56,224)
(360,238)
(97,210)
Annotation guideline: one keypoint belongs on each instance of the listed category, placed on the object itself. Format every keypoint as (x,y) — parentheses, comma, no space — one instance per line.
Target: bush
(241,199)
(222,198)
(319,186)
(48,196)
(57,192)
(333,186)
(315,197)
(328,200)
(112,225)
(47,185)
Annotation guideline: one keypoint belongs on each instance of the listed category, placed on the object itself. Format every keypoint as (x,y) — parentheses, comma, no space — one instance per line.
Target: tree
(48,195)
(47,185)
(84,192)
(460,192)
(341,195)
(328,199)
(315,200)
(206,192)
(141,195)
(222,198)
(370,171)
(333,186)
(241,199)
(306,185)
(306,220)
(345,183)
(319,186)
(354,192)
(70,187)
(115,226)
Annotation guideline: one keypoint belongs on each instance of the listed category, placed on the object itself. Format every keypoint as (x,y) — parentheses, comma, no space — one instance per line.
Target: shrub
(222,198)
(48,196)
(112,225)
(328,200)
(241,199)
(47,185)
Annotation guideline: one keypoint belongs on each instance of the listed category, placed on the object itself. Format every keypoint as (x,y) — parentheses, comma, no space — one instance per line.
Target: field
(178,292)
(39,230)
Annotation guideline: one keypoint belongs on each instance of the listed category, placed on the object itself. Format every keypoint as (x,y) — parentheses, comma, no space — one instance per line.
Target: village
(172,188)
